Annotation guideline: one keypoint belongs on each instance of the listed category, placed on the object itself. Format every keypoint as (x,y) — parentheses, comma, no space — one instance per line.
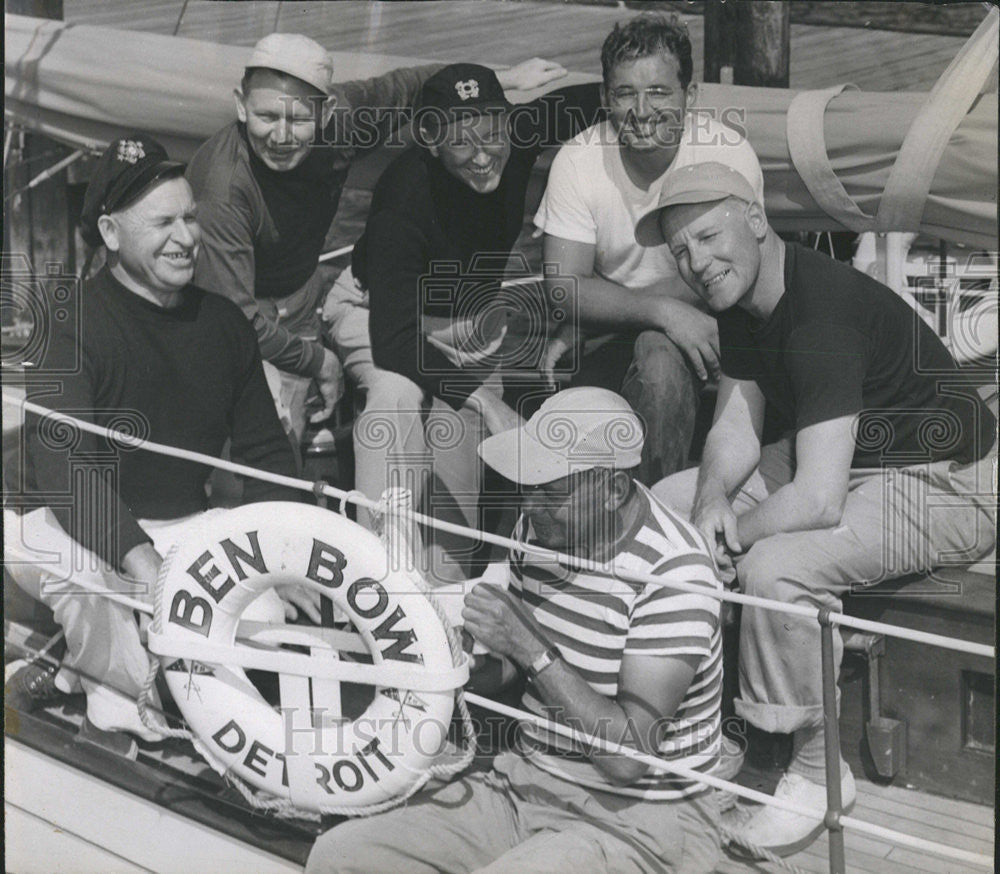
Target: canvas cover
(82,85)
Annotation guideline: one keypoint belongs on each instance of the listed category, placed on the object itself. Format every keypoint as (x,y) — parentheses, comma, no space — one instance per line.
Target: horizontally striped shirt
(595,620)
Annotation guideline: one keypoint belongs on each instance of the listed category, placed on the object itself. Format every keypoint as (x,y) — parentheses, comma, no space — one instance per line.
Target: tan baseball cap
(298,56)
(576,429)
(695,183)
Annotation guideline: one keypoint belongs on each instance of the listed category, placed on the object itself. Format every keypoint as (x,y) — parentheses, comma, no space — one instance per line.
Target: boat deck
(90,807)
(171,788)
(955,823)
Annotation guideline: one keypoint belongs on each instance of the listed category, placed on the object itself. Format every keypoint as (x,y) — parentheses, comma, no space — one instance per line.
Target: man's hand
(299,598)
(696,333)
(331,386)
(356,292)
(497,415)
(530,74)
(557,346)
(141,565)
(500,623)
(467,354)
(714,517)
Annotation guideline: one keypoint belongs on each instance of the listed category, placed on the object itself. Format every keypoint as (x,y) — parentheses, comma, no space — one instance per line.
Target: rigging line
(717,783)
(571,561)
(180,18)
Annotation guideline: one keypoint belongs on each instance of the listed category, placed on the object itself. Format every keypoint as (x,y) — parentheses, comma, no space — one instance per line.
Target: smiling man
(443,220)
(880,427)
(653,342)
(268,186)
(632,663)
(154,355)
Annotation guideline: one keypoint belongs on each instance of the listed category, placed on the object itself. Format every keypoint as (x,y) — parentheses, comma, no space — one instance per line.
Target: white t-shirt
(591,199)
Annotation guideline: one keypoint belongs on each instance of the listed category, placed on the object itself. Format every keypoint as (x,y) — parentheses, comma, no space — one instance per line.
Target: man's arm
(606,304)
(815,497)
(732,451)
(826,361)
(110,535)
(395,307)
(226,266)
(650,688)
(258,439)
(141,564)
(529,74)
(556,116)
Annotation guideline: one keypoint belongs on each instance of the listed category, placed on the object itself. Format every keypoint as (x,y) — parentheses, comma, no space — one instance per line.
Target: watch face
(542,662)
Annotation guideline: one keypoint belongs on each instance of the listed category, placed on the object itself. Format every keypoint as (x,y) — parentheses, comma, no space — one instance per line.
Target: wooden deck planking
(502,33)
(954,823)
(876,815)
(902,811)
(866,855)
(927,863)
(963,811)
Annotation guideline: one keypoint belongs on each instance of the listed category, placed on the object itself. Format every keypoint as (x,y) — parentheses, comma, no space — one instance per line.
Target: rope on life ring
(299,760)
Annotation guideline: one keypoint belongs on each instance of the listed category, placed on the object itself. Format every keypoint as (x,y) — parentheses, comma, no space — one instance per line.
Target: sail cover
(83,85)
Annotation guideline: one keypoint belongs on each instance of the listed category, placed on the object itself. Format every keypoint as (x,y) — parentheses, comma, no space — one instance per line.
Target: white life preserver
(300,753)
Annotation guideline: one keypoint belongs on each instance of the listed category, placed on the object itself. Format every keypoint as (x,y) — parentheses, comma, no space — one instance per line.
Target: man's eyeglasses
(657,98)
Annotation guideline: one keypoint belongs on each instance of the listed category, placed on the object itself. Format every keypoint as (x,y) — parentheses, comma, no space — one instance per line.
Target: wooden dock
(505,32)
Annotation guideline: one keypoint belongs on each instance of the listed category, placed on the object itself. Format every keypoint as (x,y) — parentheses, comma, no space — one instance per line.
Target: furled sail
(834,159)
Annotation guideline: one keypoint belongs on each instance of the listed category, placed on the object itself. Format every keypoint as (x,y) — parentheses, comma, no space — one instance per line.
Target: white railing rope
(901,838)
(572,561)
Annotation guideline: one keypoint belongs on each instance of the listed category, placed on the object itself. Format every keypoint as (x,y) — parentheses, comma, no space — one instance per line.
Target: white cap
(695,183)
(298,56)
(576,429)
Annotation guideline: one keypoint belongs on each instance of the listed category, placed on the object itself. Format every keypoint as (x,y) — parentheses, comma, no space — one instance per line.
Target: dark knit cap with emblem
(459,91)
(127,169)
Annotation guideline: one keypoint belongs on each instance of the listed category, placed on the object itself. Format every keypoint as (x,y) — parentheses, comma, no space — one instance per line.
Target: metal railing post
(831,736)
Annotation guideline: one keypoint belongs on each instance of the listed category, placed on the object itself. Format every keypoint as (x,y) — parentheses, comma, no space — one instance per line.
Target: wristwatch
(542,662)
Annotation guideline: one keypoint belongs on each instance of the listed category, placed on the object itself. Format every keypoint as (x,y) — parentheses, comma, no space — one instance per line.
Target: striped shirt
(594,620)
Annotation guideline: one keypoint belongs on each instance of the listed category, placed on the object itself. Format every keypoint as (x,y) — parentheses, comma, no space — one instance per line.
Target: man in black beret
(172,364)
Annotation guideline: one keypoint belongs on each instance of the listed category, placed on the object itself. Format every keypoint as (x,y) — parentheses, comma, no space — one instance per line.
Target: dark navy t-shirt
(840,343)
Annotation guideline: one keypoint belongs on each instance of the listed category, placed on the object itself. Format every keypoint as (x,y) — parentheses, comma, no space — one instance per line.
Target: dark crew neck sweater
(431,243)
(189,376)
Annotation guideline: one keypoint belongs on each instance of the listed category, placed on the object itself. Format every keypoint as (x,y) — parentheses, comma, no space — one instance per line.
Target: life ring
(300,753)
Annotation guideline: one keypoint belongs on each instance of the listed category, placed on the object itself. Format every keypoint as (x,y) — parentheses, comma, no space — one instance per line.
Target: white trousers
(105,656)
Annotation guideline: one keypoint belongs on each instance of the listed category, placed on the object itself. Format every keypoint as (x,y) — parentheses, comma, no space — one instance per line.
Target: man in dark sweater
(152,354)
(444,218)
(268,186)
(881,426)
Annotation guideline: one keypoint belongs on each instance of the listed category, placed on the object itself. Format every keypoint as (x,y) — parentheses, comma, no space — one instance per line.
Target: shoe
(730,759)
(116,742)
(111,711)
(29,685)
(779,831)
(730,764)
